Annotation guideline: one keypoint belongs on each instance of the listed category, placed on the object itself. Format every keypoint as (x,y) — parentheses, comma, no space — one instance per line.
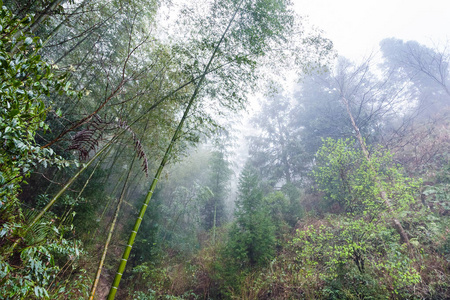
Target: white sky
(357,26)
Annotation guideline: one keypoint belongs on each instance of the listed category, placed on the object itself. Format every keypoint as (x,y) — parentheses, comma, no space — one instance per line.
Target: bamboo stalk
(126,254)
(80,193)
(56,197)
(110,233)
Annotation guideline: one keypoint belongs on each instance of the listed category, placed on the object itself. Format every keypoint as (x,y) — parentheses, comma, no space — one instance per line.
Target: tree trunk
(397,225)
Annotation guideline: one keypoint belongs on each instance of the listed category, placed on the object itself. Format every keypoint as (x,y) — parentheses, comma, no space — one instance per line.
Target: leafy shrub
(25,82)
(344,175)
(42,255)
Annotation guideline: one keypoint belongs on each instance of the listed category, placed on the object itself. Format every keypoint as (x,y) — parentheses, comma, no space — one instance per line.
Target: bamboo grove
(122,176)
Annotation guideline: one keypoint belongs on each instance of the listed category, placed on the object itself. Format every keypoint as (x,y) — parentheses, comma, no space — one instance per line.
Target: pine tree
(252,238)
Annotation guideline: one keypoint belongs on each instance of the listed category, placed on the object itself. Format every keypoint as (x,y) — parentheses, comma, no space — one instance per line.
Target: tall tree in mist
(427,69)
(277,151)
(424,73)
(378,104)
(219,173)
(252,238)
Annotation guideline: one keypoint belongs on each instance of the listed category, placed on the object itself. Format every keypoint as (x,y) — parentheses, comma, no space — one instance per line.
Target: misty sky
(357,26)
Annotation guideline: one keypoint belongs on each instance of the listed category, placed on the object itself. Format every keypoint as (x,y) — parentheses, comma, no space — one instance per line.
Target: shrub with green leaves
(25,82)
(37,270)
(43,254)
(347,259)
(355,255)
(344,175)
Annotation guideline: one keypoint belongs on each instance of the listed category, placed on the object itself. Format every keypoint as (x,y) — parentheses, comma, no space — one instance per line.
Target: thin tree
(398,226)
(358,84)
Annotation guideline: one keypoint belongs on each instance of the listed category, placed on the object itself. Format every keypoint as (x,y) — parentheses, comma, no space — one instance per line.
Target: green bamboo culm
(137,224)
(64,217)
(111,231)
(56,197)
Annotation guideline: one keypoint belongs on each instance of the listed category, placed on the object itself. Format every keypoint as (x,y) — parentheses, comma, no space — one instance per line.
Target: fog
(225,149)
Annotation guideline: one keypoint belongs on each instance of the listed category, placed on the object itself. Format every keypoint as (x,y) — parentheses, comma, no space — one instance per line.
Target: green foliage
(162,281)
(152,295)
(294,211)
(25,82)
(344,258)
(346,178)
(252,238)
(37,271)
(153,277)
(278,205)
(44,254)
(438,195)
(347,253)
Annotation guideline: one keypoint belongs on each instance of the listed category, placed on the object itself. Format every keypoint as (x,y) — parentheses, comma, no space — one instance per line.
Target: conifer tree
(252,238)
